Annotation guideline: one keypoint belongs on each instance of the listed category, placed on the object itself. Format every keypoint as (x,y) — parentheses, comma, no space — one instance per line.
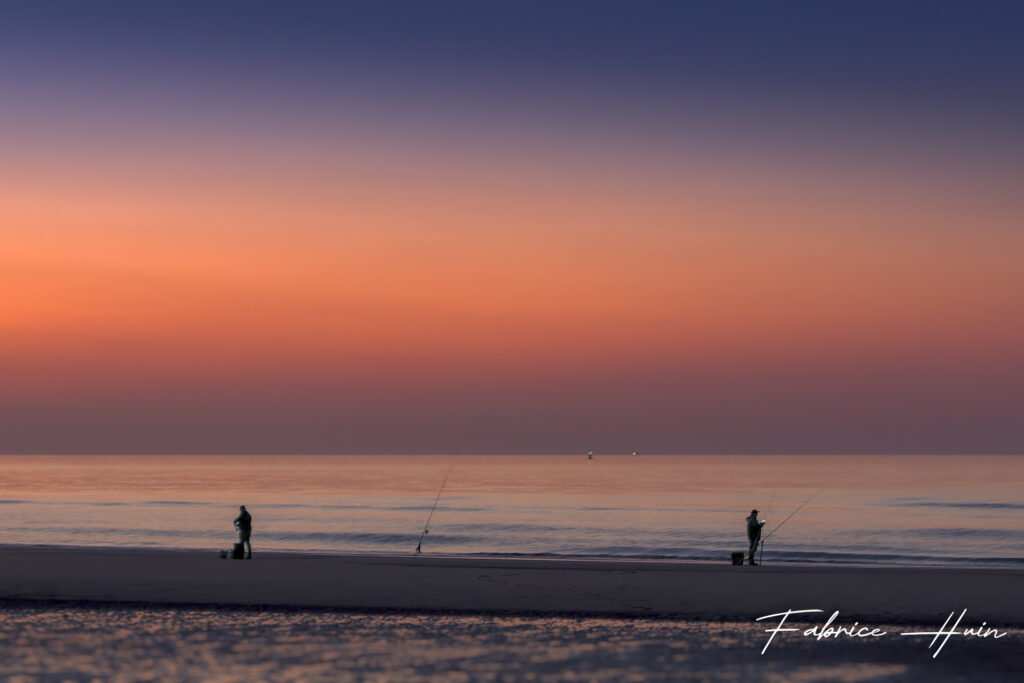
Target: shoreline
(505,585)
(998,563)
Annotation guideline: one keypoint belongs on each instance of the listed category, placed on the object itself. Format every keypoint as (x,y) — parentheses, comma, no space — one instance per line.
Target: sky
(522,227)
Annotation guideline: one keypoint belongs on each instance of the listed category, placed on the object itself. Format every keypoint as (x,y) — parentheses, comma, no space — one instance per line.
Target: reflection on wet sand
(83,643)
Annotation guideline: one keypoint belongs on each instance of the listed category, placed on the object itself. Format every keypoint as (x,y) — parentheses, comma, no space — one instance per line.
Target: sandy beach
(509,585)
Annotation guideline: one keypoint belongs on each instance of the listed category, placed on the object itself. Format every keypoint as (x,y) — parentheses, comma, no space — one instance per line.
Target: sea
(940,510)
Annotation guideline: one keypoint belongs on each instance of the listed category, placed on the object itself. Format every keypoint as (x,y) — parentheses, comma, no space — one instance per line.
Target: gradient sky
(722,227)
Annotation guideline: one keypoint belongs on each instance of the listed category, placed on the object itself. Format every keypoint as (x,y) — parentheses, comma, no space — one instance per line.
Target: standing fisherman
(243,525)
(753,534)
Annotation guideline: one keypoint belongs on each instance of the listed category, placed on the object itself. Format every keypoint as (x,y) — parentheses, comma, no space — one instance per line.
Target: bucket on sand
(237,552)
(737,558)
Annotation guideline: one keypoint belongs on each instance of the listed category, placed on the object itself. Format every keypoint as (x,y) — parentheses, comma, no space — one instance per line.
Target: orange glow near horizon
(317,280)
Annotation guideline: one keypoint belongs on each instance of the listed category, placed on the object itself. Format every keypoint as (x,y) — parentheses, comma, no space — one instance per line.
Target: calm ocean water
(944,510)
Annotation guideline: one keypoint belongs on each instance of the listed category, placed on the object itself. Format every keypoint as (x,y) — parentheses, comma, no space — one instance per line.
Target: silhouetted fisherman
(753,534)
(243,523)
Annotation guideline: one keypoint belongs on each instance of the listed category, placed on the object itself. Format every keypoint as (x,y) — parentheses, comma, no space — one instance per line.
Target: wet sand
(507,585)
(78,642)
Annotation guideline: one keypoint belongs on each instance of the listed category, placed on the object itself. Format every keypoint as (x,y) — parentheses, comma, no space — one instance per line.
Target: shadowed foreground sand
(505,585)
(97,642)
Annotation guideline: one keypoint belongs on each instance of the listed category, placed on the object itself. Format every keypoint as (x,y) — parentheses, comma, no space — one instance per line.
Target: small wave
(263,506)
(65,503)
(123,532)
(185,503)
(682,508)
(425,508)
(308,506)
(971,533)
(979,505)
(359,537)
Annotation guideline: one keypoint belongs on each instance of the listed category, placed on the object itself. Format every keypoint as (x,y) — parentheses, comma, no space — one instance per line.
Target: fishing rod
(791,514)
(760,557)
(426,527)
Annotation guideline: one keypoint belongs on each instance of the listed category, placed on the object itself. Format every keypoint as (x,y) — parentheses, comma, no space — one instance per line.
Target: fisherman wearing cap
(754,534)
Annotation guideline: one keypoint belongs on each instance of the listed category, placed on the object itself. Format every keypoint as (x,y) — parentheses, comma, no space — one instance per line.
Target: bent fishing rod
(791,515)
(426,527)
(760,557)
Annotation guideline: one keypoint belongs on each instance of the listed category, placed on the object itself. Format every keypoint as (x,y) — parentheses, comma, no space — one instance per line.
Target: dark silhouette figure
(753,534)
(243,524)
